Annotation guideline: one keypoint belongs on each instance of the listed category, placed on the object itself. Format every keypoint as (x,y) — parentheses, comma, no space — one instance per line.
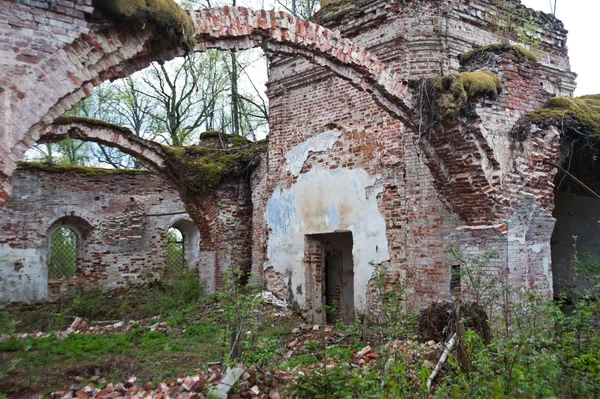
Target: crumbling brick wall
(124,245)
(423,208)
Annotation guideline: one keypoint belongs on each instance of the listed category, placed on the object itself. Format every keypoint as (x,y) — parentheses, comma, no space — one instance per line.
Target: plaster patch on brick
(295,158)
(537,248)
(27,282)
(326,201)
(518,225)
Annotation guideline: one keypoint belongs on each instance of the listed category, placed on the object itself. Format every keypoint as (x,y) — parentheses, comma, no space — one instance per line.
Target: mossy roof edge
(337,9)
(166,14)
(498,48)
(202,168)
(581,112)
(87,171)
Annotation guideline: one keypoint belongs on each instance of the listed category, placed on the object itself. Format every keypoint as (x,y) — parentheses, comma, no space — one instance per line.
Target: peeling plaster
(295,158)
(326,201)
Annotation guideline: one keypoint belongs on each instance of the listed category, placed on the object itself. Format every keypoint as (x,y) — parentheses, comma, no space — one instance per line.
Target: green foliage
(515,23)
(239,305)
(582,113)
(7,323)
(175,251)
(390,292)
(453,91)
(91,122)
(203,168)
(480,279)
(174,293)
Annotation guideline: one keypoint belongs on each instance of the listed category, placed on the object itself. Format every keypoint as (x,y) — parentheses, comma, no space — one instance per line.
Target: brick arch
(148,153)
(51,83)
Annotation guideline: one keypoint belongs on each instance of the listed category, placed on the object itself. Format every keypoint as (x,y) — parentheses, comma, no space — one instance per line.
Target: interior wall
(124,245)
(576,215)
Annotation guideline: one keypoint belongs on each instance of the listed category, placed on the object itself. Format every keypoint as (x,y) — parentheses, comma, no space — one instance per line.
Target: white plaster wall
(326,201)
(23,275)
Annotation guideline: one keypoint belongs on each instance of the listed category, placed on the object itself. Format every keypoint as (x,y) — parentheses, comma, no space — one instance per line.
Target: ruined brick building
(368,161)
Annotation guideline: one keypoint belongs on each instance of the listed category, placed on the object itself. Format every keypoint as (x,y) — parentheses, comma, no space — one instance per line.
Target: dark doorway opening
(575,249)
(331,276)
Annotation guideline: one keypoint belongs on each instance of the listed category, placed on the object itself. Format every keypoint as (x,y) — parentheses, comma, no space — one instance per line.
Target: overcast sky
(581,18)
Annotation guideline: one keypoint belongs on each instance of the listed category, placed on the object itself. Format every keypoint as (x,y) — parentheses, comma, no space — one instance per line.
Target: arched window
(175,250)
(183,246)
(63,253)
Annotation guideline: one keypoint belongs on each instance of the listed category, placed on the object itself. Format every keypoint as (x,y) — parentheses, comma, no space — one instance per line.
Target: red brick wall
(123,247)
(459,186)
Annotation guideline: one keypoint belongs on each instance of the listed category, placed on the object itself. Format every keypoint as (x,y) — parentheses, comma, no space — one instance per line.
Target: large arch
(43,85)
(148,153)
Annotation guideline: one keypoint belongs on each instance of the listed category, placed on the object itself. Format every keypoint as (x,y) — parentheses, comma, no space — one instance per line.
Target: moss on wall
(226,138)
(66,120)
(498,48)
(581,113)
(337,9)
(80,170)
(201,168)
(165,13)
(451,93)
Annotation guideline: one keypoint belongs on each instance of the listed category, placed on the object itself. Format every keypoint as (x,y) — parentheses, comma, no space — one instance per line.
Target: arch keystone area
(70,66)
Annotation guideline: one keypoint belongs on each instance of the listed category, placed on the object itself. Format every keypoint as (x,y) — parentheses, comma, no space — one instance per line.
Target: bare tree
(186,94)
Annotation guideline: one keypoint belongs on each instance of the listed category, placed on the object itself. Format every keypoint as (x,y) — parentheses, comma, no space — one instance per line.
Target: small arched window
(175,250)
(63,253)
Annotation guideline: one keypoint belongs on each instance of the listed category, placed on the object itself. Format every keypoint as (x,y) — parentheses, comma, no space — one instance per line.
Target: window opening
(175,250)
(63,253)
(455,274)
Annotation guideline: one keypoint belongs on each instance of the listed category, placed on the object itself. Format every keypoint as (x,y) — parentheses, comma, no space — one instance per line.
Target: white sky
(581,19)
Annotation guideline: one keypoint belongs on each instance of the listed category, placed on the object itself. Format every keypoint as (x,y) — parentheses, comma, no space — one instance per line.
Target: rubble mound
(437,322)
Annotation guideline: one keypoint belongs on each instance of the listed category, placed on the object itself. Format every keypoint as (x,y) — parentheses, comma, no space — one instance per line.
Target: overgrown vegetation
(86,171)
(167,14)
(203,168)
(579,113)
(444,98)
(536,349)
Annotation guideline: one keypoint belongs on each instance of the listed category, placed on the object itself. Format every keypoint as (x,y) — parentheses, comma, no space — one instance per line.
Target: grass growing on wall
(582,112)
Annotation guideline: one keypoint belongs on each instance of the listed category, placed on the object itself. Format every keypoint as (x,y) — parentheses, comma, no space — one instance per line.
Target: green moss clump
(582,113)
(210,134)
(451,92)
(337,9)
(85,171)
(66,120)
(165,13)
(497,48)
(201,168)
